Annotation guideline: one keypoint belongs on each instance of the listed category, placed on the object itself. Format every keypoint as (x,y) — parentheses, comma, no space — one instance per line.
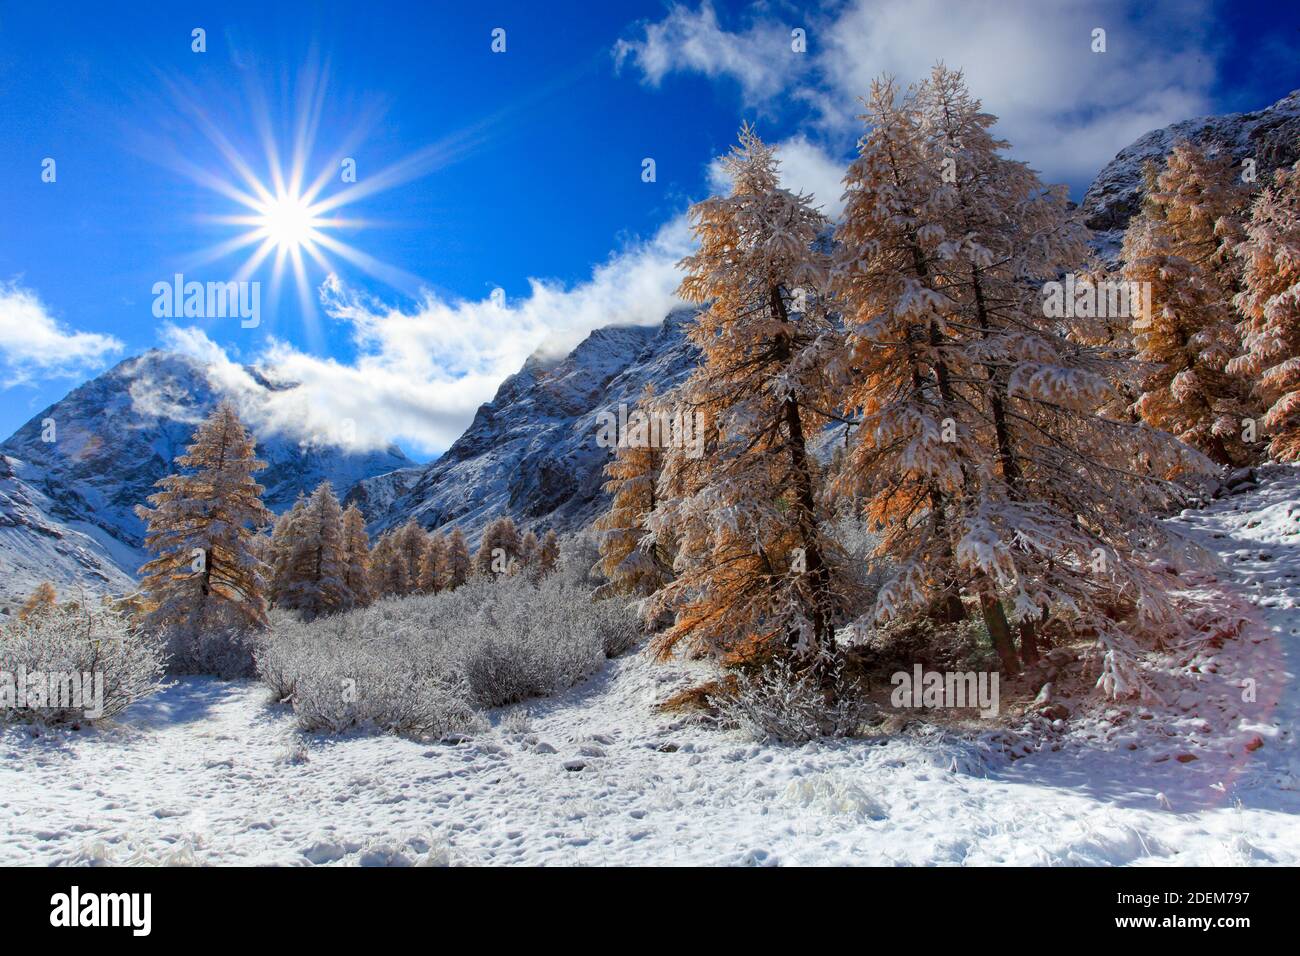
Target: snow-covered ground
(208,773)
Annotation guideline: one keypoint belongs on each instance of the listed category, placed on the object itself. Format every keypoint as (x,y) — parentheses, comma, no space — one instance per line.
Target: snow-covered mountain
(1270,136)
(72,476)
(532,451)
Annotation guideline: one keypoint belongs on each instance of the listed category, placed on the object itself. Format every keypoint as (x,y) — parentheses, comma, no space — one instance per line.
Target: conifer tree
(278,557)
(458,560)
(42,599)
(498,548)
(904,460)
(548,554)
(388,569)
(316,574)
(356,552)
(755,568)
(201,526)
(528,547)
(1043,504)
(1179,248)
(631,559)
(433,565)
(1270,302)
(409,543)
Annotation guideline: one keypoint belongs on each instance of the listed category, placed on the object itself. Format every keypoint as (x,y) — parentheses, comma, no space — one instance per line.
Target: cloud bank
(419,375)
(34,344)
(1066,109)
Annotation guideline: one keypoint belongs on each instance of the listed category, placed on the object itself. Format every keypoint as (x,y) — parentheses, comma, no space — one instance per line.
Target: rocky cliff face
(1271,137)
(74,473)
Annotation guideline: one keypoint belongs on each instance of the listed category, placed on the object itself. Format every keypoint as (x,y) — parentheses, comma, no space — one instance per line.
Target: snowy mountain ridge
(74,473)
(532,451)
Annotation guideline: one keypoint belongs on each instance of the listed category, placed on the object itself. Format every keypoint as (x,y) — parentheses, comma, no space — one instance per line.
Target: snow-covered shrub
(77,639)
(227,651)
(423,664)
(783,702)
(580,559)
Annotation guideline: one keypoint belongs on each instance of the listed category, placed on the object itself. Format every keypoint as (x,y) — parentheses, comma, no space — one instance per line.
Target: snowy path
(207,773)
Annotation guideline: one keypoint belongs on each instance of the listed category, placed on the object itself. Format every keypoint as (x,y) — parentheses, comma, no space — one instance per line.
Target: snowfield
(208,773)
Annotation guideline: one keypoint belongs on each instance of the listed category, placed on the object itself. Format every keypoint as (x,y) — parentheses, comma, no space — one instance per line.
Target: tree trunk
(995,619)
(814,563)
(1029,641)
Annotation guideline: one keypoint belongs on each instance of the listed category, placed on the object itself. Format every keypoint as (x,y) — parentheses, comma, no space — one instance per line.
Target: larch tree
(388,569)
(632,560)
(904,462)
(409,543)
(356,556)
(1179,248)
(756,570)
(1270,302)
(278,555)
(42,600)
(316,579)
(433,565)
(528,547)
(458,560)
(498,549)
(548,554)
(201,525)
(1045,506)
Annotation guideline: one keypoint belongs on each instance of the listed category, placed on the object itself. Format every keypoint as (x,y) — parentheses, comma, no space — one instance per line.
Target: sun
(289,221)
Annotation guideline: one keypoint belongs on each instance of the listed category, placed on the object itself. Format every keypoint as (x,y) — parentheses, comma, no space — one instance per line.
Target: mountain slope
(1270,136)
(112,439)
(531,452)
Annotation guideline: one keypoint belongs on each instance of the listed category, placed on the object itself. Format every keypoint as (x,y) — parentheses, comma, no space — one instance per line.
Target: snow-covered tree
(904,463)
(755,567)
(42,599)
(315,578)
(498,549)
(356,556)
(983,452)
(1270,302)
(1178,248)
(201,526)
(433,565)
(278,555)
(631,559)
(458,560)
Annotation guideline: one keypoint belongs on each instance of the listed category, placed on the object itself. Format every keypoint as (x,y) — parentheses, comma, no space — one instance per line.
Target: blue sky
(519,171)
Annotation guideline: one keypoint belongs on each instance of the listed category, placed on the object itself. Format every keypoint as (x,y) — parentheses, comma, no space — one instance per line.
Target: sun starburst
(287,218)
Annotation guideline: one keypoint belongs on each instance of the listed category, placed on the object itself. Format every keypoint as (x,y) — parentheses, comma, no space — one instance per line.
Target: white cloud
(419,375)
(34,344)
(761,59)
(1065,109)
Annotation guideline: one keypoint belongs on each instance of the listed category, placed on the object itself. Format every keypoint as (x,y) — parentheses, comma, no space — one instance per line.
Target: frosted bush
(215,641)
(83,640)
(426,664)
(784,703)
(228,653)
